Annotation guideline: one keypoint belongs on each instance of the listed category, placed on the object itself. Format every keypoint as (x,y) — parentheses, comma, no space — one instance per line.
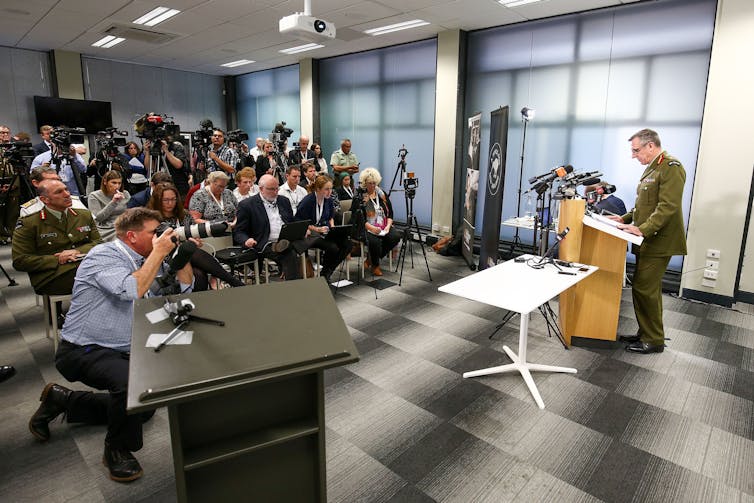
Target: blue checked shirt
(103,297)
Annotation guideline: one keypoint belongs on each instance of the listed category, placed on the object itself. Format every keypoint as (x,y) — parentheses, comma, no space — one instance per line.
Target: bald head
(54,194)
(268,187)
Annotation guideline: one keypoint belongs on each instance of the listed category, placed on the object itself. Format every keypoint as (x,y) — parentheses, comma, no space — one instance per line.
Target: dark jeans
(103,369)
(288,261)
(380,246)
(334,251)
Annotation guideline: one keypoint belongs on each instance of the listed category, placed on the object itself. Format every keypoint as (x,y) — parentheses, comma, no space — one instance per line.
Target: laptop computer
(338,232)
(294,231)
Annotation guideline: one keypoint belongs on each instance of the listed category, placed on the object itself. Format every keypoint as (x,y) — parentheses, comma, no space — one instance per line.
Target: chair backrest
(345,205)
(346,218)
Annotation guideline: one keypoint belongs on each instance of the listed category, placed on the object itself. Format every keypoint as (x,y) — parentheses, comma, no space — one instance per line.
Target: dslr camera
(203,230)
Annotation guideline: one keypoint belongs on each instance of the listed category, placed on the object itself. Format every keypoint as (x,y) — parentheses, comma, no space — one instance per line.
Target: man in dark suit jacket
(258,224)
(302,153)
(44,145)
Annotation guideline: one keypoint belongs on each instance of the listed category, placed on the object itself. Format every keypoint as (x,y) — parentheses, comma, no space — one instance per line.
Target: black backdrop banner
(472,188)
(495,183)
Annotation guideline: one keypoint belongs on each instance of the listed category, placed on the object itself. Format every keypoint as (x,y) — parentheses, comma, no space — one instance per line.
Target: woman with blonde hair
(381,237)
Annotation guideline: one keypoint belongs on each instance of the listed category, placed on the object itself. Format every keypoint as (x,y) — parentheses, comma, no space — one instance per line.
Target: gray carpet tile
(404,425)
(729,459)
(669,436)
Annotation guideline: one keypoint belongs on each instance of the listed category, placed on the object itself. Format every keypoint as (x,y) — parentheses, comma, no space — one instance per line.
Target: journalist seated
(96,337)
(246,186)
(50,243)
(381,237)
(108,203)
(44,172)
(214,203)
(260,219)
(167,202)
(319,210)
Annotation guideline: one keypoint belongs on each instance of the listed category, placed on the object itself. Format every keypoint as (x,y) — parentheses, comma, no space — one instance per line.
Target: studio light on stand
(527,114)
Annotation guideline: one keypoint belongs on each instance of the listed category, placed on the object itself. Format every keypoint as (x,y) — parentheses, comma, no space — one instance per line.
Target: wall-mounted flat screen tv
(91,115)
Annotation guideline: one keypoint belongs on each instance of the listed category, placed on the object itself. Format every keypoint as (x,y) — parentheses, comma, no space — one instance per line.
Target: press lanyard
(320,210)
(218,201)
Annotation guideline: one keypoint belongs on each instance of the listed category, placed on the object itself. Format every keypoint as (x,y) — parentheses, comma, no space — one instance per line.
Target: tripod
(526,115)
(157,162)
(408,243)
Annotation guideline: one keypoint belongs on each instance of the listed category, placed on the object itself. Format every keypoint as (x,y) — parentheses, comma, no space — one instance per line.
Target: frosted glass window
(381,100)
(266,98)
(633,69)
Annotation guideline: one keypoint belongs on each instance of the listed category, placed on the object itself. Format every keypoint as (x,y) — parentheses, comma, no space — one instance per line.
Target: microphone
(178,261)
(558,238)
(558,172)
(590,181)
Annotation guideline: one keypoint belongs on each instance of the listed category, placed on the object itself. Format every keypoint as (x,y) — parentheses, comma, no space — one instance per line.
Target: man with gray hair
(658,217)
(301,154)
(39,174)
(343,160)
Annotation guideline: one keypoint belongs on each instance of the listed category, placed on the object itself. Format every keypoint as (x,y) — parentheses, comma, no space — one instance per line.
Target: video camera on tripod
(202,138)
(17,153)
(279,135)
(237,136)
(108,142)
(155,128)
(410,184)
(18,156)
(63,136)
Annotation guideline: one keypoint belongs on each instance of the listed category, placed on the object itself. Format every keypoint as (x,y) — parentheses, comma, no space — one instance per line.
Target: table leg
(521,365)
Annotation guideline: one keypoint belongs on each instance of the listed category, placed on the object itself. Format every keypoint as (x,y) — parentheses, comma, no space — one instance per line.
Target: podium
(591,308)
(245,401)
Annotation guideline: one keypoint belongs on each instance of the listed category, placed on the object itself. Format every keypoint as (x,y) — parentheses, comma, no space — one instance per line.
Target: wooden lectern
(245,401)
(590,309)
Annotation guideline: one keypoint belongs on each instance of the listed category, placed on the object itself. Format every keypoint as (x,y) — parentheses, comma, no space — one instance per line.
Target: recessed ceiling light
(405,25)
(156,16)
(302,48)
(240,62)
(108,41)
(516,3)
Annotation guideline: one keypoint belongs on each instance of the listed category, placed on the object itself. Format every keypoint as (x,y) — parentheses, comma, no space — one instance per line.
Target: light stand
(527,114)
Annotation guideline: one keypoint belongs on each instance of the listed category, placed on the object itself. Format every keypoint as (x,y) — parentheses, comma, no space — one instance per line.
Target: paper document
(612,229)
(154,340)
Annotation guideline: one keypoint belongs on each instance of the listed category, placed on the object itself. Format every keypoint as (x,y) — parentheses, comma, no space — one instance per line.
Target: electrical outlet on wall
(712,253)
(709,283)
(712,264)
(710,274)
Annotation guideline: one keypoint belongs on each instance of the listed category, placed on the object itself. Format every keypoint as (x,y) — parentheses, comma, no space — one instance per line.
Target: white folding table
(515,286)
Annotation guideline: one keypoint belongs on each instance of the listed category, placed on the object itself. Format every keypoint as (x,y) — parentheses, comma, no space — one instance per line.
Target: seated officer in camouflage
(658,217)
(50,243)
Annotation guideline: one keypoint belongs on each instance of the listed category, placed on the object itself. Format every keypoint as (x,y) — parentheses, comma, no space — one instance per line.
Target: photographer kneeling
(96,338)
(167,202)
(381,237)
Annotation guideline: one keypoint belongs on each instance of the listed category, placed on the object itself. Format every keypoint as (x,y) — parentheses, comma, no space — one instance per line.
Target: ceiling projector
(307,27)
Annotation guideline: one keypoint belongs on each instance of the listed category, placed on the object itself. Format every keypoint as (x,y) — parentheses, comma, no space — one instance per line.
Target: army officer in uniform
(658,217)
(50,243)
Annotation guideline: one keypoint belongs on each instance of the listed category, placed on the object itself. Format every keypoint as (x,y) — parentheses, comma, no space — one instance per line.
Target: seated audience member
(309,174)
(245,184)
(318,208)
(96,338)
(381,236)
(65,171)
(344,187)
(291,189)
(167,202)
(214,203)
(260,219)
(141,198)
(108,203)
(37,175)
(319,159)
(50,243)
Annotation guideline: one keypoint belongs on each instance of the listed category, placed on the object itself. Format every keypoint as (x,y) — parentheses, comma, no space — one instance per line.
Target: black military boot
(54,402)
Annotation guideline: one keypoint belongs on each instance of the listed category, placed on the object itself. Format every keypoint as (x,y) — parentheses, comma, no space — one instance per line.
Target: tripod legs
(408,246)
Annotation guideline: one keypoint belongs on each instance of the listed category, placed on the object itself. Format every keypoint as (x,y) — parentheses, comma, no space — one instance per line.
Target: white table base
(521,365)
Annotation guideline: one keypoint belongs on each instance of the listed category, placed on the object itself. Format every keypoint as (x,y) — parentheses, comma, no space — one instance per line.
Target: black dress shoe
(122,465)
(645,348)
(6,372)
(629,338)
(54,402)
(280,246)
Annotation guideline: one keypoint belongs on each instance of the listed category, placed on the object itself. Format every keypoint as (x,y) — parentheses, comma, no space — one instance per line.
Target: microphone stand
(516,239)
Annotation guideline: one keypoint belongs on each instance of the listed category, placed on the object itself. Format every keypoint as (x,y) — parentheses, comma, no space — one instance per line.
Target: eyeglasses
(637,150)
